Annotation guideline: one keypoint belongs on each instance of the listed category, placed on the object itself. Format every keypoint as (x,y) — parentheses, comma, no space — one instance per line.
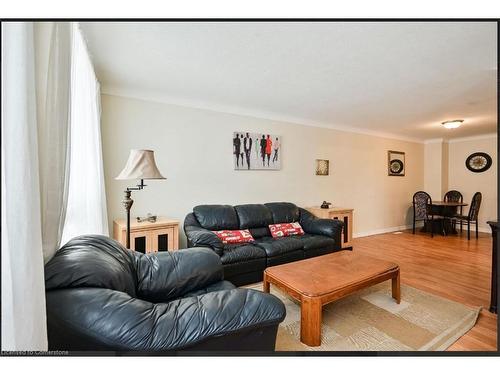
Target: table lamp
(140,166)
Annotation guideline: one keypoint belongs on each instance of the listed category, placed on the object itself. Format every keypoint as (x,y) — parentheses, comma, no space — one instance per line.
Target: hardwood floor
(451,267)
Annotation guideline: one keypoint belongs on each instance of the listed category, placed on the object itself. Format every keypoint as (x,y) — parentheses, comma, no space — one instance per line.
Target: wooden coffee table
(317,281)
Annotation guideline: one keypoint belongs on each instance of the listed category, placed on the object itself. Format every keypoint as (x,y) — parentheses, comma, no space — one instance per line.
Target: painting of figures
(256,151)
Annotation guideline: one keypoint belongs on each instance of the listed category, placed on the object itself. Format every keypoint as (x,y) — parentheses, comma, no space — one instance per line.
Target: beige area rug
(371,320)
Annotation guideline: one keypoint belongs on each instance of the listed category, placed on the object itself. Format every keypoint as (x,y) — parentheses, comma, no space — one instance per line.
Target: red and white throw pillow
(234,236)
(286,229)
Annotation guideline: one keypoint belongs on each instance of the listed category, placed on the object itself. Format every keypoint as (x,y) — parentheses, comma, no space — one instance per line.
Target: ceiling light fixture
(453,124)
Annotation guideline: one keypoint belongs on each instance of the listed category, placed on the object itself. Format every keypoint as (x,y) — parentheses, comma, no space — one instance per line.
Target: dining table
(447,210)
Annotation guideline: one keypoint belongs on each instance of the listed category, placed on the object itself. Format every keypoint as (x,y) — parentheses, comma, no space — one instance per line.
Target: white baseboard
(383,230)
(404,227)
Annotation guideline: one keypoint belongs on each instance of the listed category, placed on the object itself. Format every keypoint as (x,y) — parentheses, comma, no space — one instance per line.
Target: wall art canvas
(252,151)
(322,167)
(396,163)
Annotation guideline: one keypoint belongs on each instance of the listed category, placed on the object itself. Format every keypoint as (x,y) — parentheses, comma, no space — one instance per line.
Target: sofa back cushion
(283,212)
(253,215)
(216,216)
(260,232)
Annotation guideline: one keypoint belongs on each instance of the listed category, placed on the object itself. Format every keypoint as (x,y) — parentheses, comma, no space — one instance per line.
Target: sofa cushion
(283,212)
(236,253)
(279,246)
(314,241)
(260,232)
(292,256)
(216,216)
(253,215)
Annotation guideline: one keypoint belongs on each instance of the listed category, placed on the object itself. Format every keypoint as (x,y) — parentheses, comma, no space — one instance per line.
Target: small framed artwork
(322,167)
(253,151)
(396,163)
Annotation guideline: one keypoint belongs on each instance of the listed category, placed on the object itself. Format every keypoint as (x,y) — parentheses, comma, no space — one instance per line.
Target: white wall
(433,169)
(467,182)
(193,149)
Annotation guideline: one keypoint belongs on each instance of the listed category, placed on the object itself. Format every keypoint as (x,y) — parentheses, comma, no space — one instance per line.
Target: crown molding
(153,96)
(434,140)
(473,138)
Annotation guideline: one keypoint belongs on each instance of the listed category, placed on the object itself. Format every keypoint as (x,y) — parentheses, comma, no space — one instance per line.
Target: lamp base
(127,203)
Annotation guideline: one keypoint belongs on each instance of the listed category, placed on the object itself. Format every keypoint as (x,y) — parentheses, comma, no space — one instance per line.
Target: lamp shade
(140,165)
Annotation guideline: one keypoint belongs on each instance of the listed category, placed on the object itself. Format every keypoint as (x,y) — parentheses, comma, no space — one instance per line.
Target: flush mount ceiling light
(453,124)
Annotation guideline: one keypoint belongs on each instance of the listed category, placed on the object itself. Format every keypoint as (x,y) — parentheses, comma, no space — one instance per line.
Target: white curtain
(52,172)
(54,141)
(86,208)
(23,291)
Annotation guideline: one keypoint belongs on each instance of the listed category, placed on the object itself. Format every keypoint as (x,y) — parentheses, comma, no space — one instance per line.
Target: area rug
(371,320)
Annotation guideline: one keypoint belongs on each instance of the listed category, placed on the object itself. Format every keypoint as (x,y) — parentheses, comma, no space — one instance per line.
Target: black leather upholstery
(285,258)
(284,212)
(241,252)
(314,241)
(216,216)
(161,279)
(198,236)
(100,296)
(279,246)
(324,227)
(253,215)
(85,262)
(244,264)
(260,232)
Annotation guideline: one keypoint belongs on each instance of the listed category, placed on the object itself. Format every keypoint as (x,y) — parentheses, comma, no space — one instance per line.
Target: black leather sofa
(245,263)
(102,297)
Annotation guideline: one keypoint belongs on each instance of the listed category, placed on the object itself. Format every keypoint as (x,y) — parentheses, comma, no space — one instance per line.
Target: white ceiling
(395,78)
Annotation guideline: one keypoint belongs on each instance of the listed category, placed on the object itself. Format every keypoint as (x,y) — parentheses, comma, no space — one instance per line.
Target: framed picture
(253,151)
(322,167)
(396,163)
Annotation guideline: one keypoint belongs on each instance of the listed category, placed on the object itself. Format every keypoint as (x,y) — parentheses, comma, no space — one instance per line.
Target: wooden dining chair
(472,216)
(422,210)
(454,196)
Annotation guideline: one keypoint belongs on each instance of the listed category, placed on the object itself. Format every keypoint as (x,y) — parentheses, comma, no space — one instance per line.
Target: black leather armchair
(101,296)
(245,263)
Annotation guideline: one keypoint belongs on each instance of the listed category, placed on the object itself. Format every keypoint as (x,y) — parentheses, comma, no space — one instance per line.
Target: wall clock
(396,163)
(478,162)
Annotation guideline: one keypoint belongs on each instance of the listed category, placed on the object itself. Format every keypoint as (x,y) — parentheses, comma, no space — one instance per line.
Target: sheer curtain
(54,139)
(86,208)
(52,172)
(23,291)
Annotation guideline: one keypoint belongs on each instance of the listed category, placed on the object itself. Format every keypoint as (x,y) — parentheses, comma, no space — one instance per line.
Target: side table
(147,237)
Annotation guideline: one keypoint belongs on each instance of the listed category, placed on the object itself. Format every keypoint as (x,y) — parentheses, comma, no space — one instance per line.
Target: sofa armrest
(197,236)
(164,276)
(104,319)
(325,227)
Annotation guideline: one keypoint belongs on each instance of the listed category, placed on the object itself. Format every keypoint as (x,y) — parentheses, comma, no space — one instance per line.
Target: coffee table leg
(310,321)
(265,284)
(396,288)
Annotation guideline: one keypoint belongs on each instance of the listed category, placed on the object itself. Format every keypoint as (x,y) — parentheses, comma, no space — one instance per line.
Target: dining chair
(472,216)
(422,210)
(454,196)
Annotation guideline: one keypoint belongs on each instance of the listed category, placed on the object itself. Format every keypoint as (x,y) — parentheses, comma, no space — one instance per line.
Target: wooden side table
(343,214)
(146,237)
